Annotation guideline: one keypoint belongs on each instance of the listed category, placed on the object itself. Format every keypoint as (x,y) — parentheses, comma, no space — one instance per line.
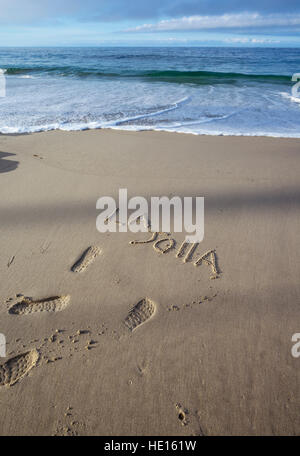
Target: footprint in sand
(86,259)
(182,414)
(141,312)
(28,306)
(16,368)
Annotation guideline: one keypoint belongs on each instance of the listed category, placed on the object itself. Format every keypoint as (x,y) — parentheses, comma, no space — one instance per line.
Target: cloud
(225,21)
(38,11)
(15,12)
(219,7)
(243,40)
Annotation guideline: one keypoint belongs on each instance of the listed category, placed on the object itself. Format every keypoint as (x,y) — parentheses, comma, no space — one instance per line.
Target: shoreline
(154,131)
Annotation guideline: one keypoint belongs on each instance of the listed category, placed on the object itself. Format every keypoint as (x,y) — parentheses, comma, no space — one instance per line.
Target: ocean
(216,91)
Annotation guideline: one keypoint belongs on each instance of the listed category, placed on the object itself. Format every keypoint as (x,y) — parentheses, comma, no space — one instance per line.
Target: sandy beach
(212,357)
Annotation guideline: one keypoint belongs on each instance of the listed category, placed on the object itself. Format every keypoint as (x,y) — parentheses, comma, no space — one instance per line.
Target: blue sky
(150,22)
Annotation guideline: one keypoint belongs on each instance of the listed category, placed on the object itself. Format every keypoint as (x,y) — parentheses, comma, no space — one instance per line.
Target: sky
(272,23)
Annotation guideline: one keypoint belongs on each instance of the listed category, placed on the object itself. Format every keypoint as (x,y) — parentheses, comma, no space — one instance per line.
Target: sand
(110,338)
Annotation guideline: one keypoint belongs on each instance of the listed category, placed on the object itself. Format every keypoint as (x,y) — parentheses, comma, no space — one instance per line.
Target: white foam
(290,97)
(49,103)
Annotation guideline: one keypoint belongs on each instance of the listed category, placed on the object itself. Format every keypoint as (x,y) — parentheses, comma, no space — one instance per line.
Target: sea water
(218,91)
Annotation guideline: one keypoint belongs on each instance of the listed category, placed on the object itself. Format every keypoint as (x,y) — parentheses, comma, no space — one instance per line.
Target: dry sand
(213,356)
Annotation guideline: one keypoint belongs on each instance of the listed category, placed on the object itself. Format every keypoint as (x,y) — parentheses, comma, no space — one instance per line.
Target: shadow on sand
(7,165)
(76,211)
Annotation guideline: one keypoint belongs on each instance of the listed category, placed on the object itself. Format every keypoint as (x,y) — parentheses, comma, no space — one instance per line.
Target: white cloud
(242,40)
(227,21)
